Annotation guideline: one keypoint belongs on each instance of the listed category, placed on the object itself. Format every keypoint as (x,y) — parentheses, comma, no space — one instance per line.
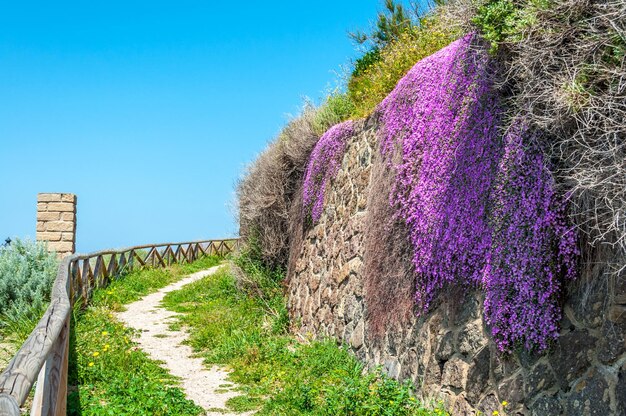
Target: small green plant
(27,271)
(502,21)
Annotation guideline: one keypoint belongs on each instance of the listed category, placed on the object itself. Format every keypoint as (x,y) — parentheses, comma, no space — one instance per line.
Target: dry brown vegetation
(389,278)
(266,192)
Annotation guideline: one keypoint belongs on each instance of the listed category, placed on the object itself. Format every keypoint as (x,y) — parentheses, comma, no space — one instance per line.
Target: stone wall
(56,222)
(448,353)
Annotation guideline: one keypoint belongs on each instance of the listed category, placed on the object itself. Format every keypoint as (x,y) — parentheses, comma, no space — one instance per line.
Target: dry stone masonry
(56,222)
(448,353)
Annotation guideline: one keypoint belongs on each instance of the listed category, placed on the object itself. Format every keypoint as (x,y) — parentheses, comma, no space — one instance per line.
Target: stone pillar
(56,222)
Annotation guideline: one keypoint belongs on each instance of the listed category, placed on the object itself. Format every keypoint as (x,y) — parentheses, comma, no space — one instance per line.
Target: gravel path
(206,387)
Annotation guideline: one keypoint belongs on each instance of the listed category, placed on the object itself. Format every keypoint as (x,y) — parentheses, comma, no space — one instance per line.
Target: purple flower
(481,209)
(324,163)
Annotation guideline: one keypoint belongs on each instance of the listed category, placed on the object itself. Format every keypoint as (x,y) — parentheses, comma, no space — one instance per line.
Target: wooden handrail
(44,354)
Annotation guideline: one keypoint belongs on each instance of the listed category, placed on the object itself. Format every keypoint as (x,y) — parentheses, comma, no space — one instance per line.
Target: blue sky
(149,111)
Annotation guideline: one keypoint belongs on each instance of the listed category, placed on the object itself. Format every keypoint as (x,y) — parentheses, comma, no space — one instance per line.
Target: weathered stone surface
(590,396)
(61,246)
(68,216)
(68,198)
(620,391)
(539,379)
(471,339)
(512,389)
(448,352)
(56,222)
(455,373)
(571,356)
(546,406)
(48,216)
(61,206)
(489,404)
(67,237)
(48,236)
(478,376)
(612,343)
(617,314)
(357,337)
(461,407)
(446,347)
(59,226)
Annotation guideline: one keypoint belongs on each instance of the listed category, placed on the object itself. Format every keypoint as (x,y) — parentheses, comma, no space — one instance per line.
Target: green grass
(241,323)
(109,374)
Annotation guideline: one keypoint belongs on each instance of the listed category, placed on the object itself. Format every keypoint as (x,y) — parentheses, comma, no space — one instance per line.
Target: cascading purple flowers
(533,248)
(480,211)
(440,131)
(324,163)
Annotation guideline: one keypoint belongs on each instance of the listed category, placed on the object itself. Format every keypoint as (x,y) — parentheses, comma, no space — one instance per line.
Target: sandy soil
(206,387)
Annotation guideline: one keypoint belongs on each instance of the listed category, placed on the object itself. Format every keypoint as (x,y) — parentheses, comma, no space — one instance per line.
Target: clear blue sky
(149,111)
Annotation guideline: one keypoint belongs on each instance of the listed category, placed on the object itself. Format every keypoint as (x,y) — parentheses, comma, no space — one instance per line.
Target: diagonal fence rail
(44,355)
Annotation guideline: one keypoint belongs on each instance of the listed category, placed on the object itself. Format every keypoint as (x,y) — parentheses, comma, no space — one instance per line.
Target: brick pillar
(56,222)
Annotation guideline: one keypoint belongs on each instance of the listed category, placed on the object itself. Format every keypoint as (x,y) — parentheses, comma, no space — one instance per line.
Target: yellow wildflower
(95,354)
(105,333)
(495,413)
(505,403)
(90,364)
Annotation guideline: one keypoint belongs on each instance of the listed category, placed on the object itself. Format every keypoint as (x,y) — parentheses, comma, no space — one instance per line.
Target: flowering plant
(323,165)
(481,210)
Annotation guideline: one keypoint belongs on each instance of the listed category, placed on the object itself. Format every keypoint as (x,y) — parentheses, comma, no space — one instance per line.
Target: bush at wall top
(370,86)
(27,271)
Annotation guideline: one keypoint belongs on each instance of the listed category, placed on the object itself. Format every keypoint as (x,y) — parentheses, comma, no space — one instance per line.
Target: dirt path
(206,387)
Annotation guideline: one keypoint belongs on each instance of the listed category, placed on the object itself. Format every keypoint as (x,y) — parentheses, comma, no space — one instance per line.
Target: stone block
(620,391)
(67,236)
(61,246)
(512,389)
(48,197)
(571,356)
(478,375)
(49,236)
(540,378)
(68,198)
(41,226)
(617,314)
(48,216)
(68,216)
(357,337)
(471,339)
(61,206)
(546,406)
(612,343)
(590,396)
(445,348)
(42,206)
(455,373)
(59,226)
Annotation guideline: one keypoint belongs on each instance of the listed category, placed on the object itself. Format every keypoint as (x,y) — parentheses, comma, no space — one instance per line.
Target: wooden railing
(44,355)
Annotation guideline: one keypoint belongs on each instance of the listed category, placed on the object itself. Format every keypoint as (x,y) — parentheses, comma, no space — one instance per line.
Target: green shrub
(503,21)
(27,271)
(368,87)
(338,107)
